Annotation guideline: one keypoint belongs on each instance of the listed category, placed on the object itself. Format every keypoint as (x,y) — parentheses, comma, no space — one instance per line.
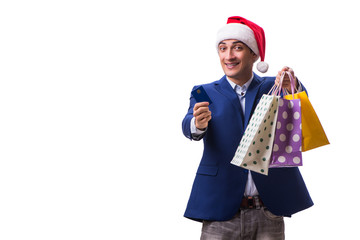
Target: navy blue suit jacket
(219,186)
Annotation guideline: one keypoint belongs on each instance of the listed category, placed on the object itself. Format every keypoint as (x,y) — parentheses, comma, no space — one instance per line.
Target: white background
(92,95)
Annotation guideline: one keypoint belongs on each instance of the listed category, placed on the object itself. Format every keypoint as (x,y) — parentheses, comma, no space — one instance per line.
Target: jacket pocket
(207,170)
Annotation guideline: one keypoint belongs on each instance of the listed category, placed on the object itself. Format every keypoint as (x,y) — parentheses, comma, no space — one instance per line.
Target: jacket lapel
(224,87)
(251,97)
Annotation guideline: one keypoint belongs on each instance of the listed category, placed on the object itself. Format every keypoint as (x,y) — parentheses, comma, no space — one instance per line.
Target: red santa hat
(247,32)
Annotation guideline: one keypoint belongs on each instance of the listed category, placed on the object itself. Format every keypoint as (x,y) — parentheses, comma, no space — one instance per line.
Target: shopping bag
(313,134)
(287,141)
(254,150)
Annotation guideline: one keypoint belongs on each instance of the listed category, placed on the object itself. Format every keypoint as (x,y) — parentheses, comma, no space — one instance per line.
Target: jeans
(247,224)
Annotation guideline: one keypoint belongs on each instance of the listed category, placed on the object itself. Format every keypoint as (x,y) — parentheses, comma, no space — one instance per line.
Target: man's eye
(238,48)
(222,48)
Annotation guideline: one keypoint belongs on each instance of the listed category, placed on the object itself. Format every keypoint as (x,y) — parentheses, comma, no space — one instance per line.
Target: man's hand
(202,115)
(286,82)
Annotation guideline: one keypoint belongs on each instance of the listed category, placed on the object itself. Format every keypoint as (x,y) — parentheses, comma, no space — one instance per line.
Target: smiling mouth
(231,65)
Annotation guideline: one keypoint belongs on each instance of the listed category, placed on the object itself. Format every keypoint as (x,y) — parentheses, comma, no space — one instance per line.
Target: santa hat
(247,32)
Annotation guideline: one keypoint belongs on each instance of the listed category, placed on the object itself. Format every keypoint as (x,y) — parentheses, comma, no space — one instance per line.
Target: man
(232,202)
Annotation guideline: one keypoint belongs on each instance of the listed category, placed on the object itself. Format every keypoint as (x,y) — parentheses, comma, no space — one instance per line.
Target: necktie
(241,91)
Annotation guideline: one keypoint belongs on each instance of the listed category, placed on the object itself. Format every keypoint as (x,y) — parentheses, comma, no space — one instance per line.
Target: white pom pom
(262,67)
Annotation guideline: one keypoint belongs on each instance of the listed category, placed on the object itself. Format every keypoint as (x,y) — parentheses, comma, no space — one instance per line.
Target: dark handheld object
(200,95)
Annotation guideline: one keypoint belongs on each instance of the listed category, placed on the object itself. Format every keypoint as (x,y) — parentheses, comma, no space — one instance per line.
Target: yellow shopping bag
(313,134)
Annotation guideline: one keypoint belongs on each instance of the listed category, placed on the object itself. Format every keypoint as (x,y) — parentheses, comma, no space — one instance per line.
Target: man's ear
(255,57)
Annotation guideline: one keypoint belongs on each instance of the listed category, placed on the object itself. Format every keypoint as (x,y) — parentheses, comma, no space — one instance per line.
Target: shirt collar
(245,86)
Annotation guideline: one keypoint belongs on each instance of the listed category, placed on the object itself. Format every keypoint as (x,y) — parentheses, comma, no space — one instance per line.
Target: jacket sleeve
(301,87)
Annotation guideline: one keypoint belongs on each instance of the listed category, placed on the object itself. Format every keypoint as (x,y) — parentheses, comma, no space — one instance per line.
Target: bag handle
(292,83)
(296,89)
(273,90)
(277,89)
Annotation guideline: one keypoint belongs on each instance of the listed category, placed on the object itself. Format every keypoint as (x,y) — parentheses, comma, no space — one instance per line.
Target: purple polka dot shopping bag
(288,133)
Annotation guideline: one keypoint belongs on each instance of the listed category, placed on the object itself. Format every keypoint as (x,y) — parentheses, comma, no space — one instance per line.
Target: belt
(251,203)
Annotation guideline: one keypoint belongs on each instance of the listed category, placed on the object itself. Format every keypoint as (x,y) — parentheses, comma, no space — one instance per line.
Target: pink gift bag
(288,135)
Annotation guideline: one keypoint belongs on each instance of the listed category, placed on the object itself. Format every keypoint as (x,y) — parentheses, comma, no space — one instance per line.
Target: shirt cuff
(193,128)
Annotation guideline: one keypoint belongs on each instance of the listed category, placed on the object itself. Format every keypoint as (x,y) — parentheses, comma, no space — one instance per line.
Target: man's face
(236,59)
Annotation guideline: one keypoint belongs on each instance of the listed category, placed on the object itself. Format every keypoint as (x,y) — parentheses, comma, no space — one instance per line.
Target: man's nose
(229,54)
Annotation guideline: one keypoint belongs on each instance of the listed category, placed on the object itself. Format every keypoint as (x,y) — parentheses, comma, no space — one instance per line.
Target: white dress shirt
(250,189)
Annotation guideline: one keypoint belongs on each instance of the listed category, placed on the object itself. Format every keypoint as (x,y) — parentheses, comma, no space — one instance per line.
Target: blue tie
(241,91)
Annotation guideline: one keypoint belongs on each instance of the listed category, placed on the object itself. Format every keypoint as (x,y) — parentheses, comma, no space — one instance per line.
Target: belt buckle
(253,202)
(250,202)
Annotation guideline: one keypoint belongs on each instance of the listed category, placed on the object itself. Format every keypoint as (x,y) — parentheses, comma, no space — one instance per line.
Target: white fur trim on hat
(262,67)
(239,32)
